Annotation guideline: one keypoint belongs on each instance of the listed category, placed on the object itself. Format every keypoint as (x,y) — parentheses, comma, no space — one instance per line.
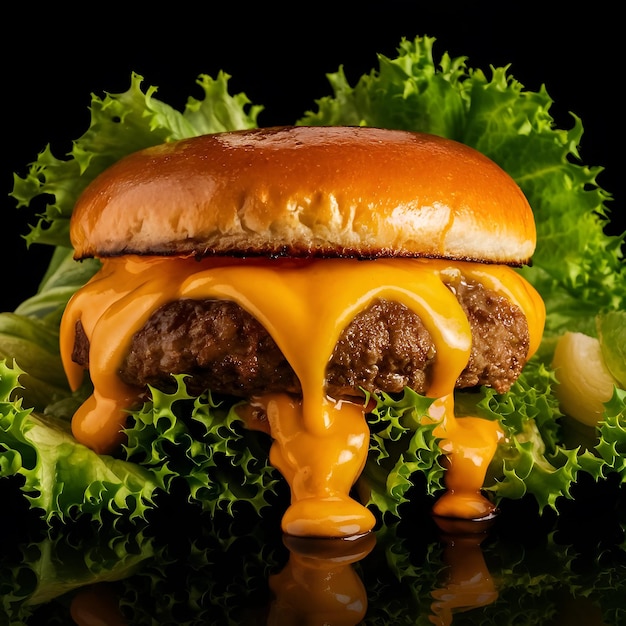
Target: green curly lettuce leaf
(612,445)
(29,336)
(577,268)
(401,448)
(532,459)
(121,124)
(222,463)
(61,280)
(33,345)
(62,478)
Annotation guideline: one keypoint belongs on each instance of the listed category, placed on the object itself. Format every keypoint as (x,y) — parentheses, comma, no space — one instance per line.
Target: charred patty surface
(218,343)
(225,349)
(385,348)
(500,337)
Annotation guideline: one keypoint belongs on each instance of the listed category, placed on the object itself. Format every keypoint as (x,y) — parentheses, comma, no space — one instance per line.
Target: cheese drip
(320,445)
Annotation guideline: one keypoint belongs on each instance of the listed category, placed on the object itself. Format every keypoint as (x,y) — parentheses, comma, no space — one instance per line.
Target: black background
(55,58)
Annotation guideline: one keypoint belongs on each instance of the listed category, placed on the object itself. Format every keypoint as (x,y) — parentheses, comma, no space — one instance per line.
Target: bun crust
(306,191)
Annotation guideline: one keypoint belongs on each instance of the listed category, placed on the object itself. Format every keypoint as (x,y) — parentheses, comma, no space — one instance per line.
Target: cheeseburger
(303,271)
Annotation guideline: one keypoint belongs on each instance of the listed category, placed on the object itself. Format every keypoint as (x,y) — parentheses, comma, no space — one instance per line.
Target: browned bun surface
(306,191)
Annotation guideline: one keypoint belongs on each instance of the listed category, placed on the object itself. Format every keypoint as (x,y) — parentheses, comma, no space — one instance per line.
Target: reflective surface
(519,568)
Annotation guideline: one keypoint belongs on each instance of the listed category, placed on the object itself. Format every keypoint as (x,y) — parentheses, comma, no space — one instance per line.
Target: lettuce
(206,445)
(611,327)
(221,464)
(121,124)
(532,460)
(61,478)
(400,449)
(578,270)
(612,445)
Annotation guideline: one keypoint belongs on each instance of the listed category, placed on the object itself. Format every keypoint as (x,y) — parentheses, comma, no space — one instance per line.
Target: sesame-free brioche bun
(306,191)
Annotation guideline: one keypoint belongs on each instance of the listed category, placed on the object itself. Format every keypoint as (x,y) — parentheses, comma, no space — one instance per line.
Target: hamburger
(303,272)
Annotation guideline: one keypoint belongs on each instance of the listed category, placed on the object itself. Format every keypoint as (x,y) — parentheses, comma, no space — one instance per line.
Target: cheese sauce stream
(320,445)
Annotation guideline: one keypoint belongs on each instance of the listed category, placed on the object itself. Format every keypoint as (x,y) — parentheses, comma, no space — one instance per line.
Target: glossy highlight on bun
(306,192)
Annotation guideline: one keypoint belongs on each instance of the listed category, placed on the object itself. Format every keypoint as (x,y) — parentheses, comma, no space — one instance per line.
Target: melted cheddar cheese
(319,445)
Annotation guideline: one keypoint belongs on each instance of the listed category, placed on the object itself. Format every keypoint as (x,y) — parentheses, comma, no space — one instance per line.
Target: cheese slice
(320,444)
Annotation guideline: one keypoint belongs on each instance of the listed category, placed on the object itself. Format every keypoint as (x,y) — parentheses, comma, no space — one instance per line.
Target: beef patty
(385,348)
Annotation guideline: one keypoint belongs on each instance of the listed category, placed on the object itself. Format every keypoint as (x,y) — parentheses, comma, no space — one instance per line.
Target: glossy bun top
(306,192)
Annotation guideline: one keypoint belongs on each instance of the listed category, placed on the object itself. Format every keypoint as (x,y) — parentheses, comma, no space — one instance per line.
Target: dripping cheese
(303,228)
(306,325)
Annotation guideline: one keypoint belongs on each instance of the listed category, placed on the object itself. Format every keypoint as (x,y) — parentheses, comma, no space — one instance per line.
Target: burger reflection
(319,584)
(431,570)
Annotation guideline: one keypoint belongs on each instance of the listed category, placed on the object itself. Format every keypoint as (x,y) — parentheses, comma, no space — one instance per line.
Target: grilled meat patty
(385,348)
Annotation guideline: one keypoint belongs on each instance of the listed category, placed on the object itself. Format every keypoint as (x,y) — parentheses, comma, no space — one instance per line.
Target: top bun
(306,191)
